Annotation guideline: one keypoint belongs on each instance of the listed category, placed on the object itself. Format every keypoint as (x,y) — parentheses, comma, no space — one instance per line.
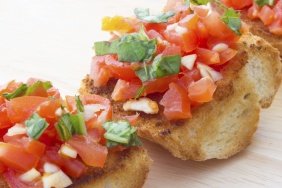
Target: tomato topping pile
(42,134)
(177,54)
(269,12)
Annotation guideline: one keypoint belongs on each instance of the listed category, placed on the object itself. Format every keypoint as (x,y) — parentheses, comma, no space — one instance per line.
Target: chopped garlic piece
(30,175)
(90,109)
(207,71)
(220,47)
(58,179)
(68,151)
(59,112)
(189,61)
(50,168)
(143,104)
(16,130)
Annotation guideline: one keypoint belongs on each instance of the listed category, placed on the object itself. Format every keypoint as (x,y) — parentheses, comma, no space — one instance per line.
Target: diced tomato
(153,34)
(176,103)
(10,87)
(187,39)
(253,11)
(16,157)
(217,28)
(208,57)
(91,153)
(48,109)
(71,104)
(188,77)
(72,167)
(19,109)
(4,119)
(99,73)
(276,26)
(119,70)
(202,90)
(202,33)
(35,147)
(172,50)
(266,14)
(116,23)
(190,21)
(125,90)
(158,27)
(159,85)
(53,92)
(238,4)
(40,91)
(13,180)
(227,55)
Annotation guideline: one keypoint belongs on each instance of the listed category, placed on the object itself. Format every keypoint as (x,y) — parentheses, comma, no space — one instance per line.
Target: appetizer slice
(193,79)
(263,17)
(50,142)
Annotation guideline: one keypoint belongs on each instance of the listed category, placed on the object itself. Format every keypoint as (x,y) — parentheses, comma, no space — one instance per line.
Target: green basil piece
(264,2)
(162,66)
(20,91)
(36,125)
(79,104)
(232,19)
(200,2)
(31,89)
(64,127)
(120,133)
(144,14)
(134,47)
(78,123)
(140,91)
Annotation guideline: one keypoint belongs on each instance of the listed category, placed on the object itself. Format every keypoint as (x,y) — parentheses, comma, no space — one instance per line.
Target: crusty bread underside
(126,169)
(225,126)
(257,28)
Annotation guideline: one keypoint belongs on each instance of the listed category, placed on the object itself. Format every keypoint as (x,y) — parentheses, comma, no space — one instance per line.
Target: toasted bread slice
(257,28)
(126,169)
(225,126)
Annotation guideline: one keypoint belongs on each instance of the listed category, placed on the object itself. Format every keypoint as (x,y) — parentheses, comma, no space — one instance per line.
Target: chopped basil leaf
(17,93)
(144,14)
(199,2)
(64,127)
(134,47)
(105,47)
(140,91)
(264,2)
(161,67)
(120,133)
(31,89)
(232,19)
(36,125)
(78,123)
(79,104)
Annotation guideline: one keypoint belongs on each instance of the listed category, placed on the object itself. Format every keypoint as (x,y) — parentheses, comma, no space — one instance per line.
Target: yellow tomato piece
(116,23)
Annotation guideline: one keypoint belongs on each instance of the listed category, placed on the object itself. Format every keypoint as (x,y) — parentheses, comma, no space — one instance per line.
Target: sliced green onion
(79,104)
(17,93)
(64,127)
(36,125)
(78,123)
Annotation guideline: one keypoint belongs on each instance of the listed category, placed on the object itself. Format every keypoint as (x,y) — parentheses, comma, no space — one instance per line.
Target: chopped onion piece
(30,175)
(189,61)
(58,179)
(68,151)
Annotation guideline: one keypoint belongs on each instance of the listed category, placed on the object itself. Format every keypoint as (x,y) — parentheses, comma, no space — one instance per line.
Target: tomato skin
(208,57)
(48,109)
(13,180)
(190,21)
(19,109)
(125,90)
(187,40)
(171,50)
(159,85)
(91,153)
(266,14)
(158,27)
(227,55)
(176,103)
(202,90)
(238,4)
(53,92)
(16,157)
(10,87)
(99,73)
(253,11)
(4,119)
(35,147)
(188,77)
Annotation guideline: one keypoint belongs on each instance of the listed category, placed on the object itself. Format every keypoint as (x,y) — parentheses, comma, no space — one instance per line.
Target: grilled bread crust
(126,169)
(225,126)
